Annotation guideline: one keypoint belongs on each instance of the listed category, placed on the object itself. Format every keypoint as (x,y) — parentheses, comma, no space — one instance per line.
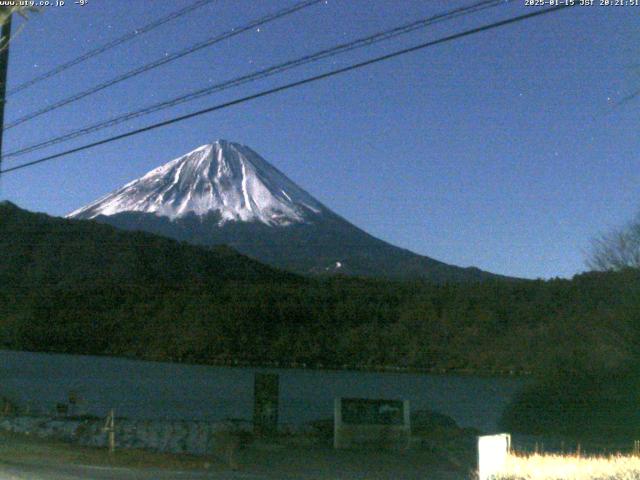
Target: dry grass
(571,467)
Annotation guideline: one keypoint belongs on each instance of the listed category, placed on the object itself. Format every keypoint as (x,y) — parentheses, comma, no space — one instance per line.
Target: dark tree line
(81,287)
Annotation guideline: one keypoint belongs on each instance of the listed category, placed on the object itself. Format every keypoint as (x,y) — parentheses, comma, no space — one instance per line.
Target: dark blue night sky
(508,150)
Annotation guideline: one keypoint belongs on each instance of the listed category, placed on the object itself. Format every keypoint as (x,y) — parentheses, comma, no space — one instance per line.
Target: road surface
(56,471)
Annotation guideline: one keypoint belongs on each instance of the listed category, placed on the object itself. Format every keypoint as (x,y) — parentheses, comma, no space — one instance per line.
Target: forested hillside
(81,287)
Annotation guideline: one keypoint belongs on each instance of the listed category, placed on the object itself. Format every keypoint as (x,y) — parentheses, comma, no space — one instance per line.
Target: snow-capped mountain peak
(247,204)
(222,177)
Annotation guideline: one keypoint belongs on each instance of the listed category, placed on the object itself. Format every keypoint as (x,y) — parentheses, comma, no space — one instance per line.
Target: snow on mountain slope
(223,177)
(225,194)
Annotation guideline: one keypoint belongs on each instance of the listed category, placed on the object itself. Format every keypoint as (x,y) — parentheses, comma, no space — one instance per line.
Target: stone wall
(175,436)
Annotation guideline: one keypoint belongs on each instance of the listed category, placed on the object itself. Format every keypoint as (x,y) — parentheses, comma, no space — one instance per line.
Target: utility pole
(4,64)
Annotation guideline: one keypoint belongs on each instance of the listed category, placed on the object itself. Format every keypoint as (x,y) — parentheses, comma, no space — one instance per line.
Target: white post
(492,454)
(110,428)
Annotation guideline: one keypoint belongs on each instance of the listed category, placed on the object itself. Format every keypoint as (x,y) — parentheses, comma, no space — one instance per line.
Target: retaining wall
(174,436)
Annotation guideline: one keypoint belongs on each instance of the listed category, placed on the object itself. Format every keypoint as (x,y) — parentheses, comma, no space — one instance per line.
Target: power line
(267,72)
(164,60)
(288,86)
(108,46)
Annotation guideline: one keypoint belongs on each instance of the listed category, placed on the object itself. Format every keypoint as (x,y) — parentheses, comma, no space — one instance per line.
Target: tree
(5,14)
(618,249)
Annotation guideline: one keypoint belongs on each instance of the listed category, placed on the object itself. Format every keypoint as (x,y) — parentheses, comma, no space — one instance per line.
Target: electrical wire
(108,46)
(163,60)
(264,73)
(291,85)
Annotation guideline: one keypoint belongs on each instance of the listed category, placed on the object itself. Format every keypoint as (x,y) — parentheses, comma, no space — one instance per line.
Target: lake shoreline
(152,389)
(280,365)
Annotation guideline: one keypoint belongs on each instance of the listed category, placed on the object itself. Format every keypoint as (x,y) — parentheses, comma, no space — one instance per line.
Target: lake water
(140,389)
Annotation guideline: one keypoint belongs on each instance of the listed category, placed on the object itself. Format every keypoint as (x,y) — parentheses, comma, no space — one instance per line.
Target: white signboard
(359,421)
(492,454)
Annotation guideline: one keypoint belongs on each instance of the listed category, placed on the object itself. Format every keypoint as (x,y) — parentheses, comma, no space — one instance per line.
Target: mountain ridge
(225,193)
(77,286)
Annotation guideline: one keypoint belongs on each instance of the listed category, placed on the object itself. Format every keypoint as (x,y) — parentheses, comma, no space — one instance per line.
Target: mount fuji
(225,193)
